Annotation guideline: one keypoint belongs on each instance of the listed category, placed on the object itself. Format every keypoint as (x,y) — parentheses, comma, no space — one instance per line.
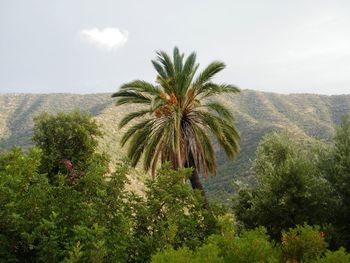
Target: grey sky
(280,46)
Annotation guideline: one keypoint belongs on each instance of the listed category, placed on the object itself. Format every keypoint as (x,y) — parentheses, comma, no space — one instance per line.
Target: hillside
(257,113)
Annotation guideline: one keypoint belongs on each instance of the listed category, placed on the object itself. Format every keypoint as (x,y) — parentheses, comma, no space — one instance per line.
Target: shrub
(171,214)
(336,166)
(251,246)
(206,253)
(68,141)
(42,222)
(291,189)
(339,256)
(182,255)
(303,243)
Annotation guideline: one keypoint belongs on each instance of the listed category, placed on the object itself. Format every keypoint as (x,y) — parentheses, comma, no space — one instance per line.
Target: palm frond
(209,72)
(224,131)
(139,86)
(210,89)
(159,68)
(150,150)
(187,74)
(230,144)
(207,153)
(212,122)
(220,109)
(177,60)
(168,65)
(130,97)
(137,144)
(132,115)
(133,129)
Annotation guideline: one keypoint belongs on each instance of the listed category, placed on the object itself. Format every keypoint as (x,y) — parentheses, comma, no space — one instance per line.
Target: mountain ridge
(256,112)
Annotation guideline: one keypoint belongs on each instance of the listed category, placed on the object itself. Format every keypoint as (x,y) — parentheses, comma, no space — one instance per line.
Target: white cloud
(108,38)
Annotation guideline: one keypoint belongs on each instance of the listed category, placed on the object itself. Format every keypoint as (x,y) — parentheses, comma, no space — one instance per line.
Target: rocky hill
(257,113)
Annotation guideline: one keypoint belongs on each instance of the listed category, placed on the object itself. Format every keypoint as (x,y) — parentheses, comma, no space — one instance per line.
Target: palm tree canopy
(178,115)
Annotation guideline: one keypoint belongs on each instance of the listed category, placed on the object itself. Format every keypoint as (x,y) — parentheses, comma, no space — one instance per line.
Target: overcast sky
(86,46)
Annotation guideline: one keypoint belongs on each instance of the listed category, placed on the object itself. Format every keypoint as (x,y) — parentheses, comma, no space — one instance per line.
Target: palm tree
(177,117)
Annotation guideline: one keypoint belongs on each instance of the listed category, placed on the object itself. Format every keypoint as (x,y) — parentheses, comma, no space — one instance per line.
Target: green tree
(303,243)
(88,221)
(290,190)
(336,166)
(23,196)
(178,116)
(68,141)
(170,215)
(247,247)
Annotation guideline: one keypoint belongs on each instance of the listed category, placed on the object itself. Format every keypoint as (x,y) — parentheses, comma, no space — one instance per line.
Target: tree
(68,141)
(337,169)
(88,221)
(177,116)
(290,190)
(170,215)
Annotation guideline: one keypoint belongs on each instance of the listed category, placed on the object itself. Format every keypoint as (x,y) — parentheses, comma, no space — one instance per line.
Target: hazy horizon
(111,92)
(86,47)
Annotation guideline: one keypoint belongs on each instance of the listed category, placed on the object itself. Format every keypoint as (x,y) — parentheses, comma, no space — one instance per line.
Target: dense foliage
(291,190)
(94,219)
(68,141)
(294,214)
(43,222)
(300,244)
(300,182)
(336,166)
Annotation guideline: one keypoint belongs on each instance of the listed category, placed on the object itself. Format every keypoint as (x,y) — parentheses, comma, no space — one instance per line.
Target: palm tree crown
(178,115)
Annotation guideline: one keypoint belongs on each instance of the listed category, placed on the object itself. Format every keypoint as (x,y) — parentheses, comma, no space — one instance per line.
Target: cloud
(108,38)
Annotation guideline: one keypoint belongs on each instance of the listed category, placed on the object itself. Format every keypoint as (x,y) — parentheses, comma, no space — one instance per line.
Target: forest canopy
(297,211)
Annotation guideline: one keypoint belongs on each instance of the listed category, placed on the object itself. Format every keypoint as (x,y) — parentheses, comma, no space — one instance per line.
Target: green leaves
(65,136)
(210,89)
(170,215)
(42,222)
(139,86)
(209,72)
(131,97)
(178,126)
(290,188)
(221,110)
(132,115)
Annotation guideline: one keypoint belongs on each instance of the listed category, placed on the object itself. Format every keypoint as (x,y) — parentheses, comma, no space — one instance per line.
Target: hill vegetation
(257,113)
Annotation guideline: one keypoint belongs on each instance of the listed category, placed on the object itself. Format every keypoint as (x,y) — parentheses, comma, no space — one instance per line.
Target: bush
(291,189)
(249,247)
(182,255)
(336,166)
(206,253)
(96,220)
(171,214)
(68,141)
(303,243)
(42,222)
(24,197)
(339,256)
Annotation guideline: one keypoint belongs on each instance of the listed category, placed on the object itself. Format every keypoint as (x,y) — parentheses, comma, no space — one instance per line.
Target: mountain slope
(257,113)
(17,112)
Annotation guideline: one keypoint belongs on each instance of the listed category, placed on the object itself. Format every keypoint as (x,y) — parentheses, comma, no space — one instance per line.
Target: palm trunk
(177,142)
(178,157)
(195,179)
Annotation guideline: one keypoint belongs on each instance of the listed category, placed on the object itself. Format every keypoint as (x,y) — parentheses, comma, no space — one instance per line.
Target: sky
(93,46)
